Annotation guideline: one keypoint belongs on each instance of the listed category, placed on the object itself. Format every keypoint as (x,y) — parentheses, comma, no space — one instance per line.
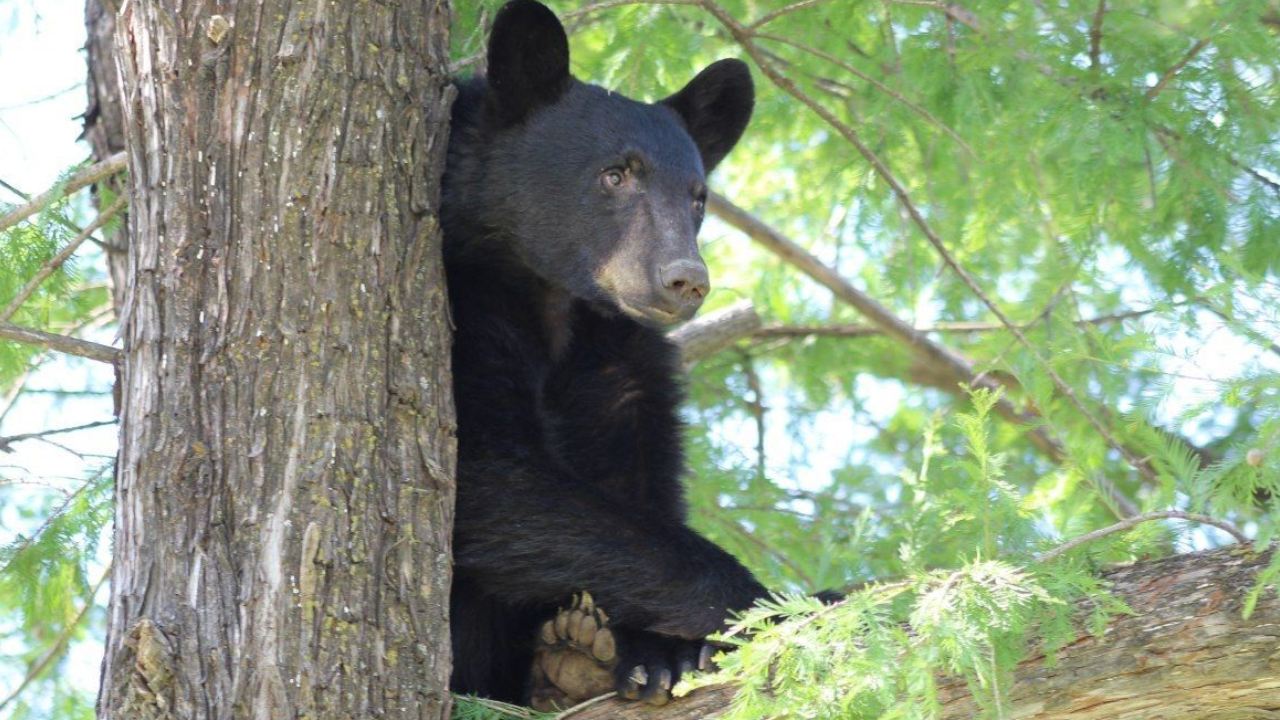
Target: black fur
(569,439)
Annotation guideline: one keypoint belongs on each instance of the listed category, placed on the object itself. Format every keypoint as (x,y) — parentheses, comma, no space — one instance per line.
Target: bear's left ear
(528,58)
(716,106)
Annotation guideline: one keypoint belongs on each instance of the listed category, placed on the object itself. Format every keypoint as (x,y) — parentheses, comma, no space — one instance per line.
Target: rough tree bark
(1186,654)
(284,488)
(104,129)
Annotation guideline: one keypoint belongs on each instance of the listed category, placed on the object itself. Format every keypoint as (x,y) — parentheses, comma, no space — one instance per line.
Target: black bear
(570,216)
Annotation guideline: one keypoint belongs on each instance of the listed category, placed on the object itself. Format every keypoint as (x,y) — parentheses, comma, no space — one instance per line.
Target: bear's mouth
(652,314)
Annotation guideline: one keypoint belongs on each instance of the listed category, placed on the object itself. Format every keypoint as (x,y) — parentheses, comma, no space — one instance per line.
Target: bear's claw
(575,657)
(579,656)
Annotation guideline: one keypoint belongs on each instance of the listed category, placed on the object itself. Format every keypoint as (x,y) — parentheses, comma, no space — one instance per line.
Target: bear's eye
(700,204)
(613,178)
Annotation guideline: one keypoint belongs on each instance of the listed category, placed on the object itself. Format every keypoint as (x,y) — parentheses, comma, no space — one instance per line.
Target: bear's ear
(716,106)
(528,58)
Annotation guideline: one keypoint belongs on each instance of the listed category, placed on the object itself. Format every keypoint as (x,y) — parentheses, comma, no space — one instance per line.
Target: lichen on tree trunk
(284,486)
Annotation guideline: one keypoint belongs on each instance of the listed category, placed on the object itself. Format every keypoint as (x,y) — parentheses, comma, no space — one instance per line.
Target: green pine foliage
(51,574)
(477,708)
(882,651)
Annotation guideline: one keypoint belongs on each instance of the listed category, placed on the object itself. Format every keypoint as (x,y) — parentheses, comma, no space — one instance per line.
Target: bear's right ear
(716,107)
(528,59)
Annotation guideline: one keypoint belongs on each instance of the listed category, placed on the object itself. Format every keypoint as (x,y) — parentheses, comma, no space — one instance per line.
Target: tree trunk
(104,129)
(284,489)
(1186,654)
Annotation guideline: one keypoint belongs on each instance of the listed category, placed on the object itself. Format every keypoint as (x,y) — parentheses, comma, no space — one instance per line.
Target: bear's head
(603,195)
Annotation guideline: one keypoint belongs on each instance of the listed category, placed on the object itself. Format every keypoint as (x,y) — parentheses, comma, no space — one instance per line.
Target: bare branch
(713,332)
(784,10)
(1169,74)
(1132,522)
(744,38)
(608,4)
(48,520)
(7,442)
(1095,36)
(1256,174)
(88,176)
(57,261)
(59,643)
(899,97)
(1240,327)
(941,359)
(767,550)
(60,343)
(951,10)
(947,328)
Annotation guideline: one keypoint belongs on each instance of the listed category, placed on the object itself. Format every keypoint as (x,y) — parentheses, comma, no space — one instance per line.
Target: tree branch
(897,96)
(1136,520)
(58,260)
(60,343)
(946,362)
(746,39)
(59,643)
(709,334)
(1177,67)
(1095,36)
(7,442)
(88,176)
(1185,653)
(850,330)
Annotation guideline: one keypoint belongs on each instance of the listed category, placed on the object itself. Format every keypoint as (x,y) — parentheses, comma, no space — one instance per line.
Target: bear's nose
(684,283)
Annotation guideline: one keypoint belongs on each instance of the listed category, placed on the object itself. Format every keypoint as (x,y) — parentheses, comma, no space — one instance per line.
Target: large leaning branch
(1186,653)
(948,363)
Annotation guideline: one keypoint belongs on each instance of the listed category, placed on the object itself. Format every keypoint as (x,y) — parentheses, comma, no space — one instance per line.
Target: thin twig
(1255,174)
(45,98)
(1240,327)
(757,409)
(789,86)
(60,643)
(88,176)
(1095,36)
(951,10)
(768,550)
(11,397)
(609,4)
(515,711)
(948,363)
(57,512)
(57,261)
(1173,71)
(6,442)
(857,331)
(784,10)
(584,705)
(1136,520)
(60,343)
(912,106)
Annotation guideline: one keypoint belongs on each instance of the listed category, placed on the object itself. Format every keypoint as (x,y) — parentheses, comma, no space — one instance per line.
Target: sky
(42,74)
